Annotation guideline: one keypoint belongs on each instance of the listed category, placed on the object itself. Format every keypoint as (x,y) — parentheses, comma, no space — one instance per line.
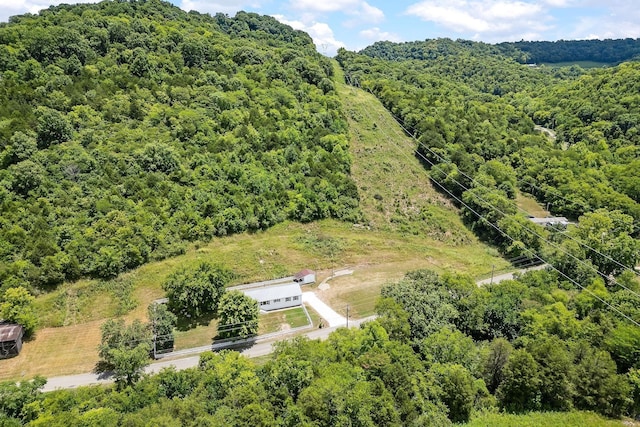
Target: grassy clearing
(408,226)
(583,64)
(536,419)
(282,320)
(527,203)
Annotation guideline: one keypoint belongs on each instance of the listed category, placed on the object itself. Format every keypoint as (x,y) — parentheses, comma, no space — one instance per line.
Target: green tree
(555,372)
(124,349)
(238,315)
(23,146)
(598,387)
(394,319)
(17,306)
(162,323)
(609,233)
(458,390)
(53,127)
(194,293)
(520,387)
(494,362)
(19,402)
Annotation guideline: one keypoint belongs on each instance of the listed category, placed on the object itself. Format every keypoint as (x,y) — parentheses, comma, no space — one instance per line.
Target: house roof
(303,273)
(270,293)
(10,332)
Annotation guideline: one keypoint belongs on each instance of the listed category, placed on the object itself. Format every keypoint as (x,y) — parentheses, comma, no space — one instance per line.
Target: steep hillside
(130,128)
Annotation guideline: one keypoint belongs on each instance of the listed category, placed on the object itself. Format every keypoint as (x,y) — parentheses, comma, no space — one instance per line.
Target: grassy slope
(536,419)
(409,226)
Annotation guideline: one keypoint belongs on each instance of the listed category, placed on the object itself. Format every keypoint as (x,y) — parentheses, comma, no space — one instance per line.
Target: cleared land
(409,226)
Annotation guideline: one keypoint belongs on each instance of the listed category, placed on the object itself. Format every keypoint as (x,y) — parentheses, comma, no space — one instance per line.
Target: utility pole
(492,270)
(347,316)
(154,330)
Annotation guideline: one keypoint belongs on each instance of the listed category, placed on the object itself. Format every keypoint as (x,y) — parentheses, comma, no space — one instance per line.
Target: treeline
(607,51)
(130,128)
(442,351)
(524,52)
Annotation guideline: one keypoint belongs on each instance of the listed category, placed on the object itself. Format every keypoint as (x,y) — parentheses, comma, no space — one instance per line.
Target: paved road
(509,276)
(259,349)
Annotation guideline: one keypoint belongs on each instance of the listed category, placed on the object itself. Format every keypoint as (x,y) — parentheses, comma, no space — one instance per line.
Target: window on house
(265,302)
(276,300)
(296,298)
(287,299)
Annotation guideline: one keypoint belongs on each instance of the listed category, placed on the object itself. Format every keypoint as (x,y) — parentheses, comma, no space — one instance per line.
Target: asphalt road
(258,349)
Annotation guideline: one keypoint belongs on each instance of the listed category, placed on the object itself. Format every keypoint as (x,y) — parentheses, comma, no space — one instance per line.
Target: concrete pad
(326,312)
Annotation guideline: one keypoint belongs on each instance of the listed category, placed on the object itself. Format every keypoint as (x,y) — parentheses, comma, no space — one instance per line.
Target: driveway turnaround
(326,312)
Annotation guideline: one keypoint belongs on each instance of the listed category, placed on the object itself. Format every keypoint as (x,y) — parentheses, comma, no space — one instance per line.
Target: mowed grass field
(408,226)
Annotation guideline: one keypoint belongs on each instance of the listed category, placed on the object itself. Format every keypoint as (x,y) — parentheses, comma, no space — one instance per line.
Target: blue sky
(355,24)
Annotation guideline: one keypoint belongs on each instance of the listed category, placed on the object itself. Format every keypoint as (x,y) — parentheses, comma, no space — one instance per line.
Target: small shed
(305,277)
(550,221)
(10,339)
(276,297)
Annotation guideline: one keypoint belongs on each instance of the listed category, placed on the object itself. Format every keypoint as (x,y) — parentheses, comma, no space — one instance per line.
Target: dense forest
(524,52)
(606,51)
(130,128)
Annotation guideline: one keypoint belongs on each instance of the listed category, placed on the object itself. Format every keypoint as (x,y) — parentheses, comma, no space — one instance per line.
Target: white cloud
(325,5)
(375,34)
(487,19)
(320,32)
(17,7)
(360,10)
(370,13)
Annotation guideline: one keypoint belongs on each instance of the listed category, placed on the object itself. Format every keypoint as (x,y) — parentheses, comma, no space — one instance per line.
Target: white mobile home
(276,297)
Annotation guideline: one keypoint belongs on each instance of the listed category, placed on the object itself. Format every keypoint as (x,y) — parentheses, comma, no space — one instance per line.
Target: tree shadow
(104,369)
(187,323)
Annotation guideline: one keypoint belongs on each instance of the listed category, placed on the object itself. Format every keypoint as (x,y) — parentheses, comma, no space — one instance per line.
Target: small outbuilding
(305,277)
(550,221)
(10,339)
(276,297)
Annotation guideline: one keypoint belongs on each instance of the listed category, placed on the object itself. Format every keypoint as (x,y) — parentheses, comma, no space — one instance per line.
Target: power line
(513,240)
(434,166)
(521,182)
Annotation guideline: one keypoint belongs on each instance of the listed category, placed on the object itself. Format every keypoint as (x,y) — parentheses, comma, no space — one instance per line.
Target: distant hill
(607,51)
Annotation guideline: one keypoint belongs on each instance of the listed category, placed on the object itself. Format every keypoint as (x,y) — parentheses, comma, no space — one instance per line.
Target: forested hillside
(130,128)
(482,148)
(605,51)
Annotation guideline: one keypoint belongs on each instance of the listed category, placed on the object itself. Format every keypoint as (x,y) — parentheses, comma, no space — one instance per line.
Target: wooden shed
(305,277)
(10,339)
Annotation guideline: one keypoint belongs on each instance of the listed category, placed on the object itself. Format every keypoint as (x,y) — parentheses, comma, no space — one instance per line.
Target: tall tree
(125,349)
(238,315)
(17,305)
(196,292)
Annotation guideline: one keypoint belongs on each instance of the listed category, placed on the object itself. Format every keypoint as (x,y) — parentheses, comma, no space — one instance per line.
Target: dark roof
(10,332)
(303,273)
